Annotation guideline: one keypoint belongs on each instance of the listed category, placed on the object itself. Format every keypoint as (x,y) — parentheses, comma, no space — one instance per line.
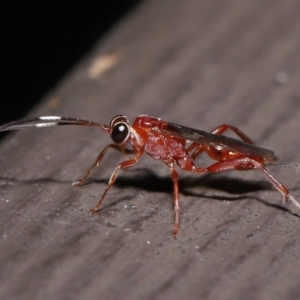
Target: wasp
(173,144)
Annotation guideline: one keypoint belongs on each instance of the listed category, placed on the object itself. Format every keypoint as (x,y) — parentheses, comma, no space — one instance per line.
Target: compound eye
(120,132)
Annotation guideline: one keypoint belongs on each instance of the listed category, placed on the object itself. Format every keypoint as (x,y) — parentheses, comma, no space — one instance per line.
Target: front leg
(98,160)
(123,165)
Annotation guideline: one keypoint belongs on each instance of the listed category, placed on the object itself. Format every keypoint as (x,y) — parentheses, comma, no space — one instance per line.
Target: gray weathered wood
(197,63)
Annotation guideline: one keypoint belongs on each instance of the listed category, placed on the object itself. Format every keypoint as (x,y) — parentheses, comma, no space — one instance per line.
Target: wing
(215,140)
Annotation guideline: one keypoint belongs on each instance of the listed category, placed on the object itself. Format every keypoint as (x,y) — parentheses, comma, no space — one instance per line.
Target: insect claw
(93,210)
(293,200)
(175,231)
(76,183)
(174,235)
(285,199)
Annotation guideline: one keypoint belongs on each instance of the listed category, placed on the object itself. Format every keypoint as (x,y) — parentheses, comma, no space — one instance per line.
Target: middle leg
(175,177)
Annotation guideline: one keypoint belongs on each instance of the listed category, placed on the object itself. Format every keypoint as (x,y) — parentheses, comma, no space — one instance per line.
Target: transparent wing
(215,140)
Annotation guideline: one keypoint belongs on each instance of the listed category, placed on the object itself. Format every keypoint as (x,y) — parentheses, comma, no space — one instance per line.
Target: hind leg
(245,163)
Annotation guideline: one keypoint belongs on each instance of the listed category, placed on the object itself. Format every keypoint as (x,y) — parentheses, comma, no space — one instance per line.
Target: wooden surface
(196,63)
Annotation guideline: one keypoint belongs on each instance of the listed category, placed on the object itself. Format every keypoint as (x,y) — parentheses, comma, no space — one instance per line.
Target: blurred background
(42,41)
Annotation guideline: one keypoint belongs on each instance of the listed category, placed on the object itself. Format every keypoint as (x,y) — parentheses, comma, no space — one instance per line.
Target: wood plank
(196,63)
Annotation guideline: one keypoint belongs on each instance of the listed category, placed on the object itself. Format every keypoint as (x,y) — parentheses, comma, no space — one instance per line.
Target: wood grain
(196,63)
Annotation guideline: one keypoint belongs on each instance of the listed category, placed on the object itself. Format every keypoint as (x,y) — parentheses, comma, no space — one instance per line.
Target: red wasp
(167,142)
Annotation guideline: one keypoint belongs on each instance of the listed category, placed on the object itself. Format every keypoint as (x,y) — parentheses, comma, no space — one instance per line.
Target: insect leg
(222,128)
(245,163)
(199,149)
(98,160)
(219,130)
(175,177)
(123,165)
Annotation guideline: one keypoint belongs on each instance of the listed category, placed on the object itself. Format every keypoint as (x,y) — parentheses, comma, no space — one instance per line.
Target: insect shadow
(149,181)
